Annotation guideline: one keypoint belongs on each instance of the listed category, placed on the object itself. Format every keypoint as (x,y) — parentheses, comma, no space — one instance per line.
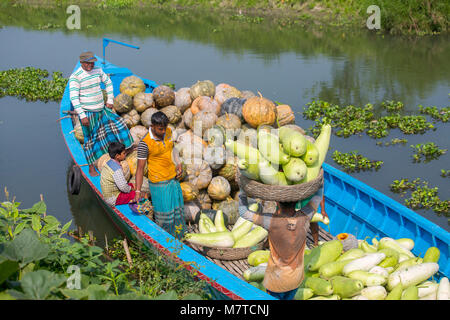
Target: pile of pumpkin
(195,114)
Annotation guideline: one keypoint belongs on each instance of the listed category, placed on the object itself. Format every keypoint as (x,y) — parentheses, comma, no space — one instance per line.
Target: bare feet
(92,171)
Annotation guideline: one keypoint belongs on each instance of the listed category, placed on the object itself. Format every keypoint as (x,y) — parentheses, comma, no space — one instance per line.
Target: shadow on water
(89,215)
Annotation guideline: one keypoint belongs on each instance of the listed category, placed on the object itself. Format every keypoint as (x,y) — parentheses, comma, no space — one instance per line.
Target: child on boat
(164,168)
(287,228)
(114,186)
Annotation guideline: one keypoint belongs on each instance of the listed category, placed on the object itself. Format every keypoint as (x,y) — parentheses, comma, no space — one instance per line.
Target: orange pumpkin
(285,115)
(203,103)
(189,191)
(259,110)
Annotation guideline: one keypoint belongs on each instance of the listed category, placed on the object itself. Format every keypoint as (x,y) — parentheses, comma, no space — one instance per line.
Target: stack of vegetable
(282,156)
(383,270)
(216,235)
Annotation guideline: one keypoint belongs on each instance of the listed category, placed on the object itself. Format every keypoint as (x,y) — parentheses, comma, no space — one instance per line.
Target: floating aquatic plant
(427,151)
(353,161)
(351,120)
(422,196)
(32,84)
(442,114)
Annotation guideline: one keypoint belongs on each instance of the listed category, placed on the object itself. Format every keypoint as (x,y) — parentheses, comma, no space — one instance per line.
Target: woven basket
(226,253)
(296,192)
(230,253)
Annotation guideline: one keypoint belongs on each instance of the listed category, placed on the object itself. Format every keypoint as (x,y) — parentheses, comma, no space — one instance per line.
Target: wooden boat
(352,206)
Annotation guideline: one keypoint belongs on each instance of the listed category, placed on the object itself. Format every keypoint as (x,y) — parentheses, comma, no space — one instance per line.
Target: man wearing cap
(100,125)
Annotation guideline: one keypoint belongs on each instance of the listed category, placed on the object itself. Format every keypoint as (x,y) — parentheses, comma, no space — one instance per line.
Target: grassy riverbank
(412,17)
(39,262)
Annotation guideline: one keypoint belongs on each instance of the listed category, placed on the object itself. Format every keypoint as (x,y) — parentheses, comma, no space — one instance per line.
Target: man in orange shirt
(164,168)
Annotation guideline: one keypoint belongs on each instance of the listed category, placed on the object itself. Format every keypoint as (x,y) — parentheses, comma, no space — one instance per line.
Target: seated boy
(114,186)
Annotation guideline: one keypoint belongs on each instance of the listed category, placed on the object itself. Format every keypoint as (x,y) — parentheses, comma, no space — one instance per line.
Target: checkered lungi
(104,127)
(168,206)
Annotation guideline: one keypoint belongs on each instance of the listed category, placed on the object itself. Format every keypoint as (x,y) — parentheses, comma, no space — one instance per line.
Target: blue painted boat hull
(352,206)
(356,208)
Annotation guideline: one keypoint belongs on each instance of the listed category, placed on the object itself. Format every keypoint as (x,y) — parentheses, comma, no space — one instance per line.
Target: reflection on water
(366,67)
(89,215)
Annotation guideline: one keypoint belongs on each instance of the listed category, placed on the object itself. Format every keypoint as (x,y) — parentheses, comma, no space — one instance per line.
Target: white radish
(431,296)
(374,293)
(212,239)
(412,275)
(367,278)
(379,270)
(406,243)
(364,263)
(402,257)
(443,292)
(427,288)
(392,244)
(359,297)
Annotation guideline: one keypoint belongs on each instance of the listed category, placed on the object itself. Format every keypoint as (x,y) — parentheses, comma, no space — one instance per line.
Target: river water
(293,66)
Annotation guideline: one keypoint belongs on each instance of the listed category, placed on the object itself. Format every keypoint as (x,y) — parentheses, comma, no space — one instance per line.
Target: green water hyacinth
(351,120)
(353,161)
(442,114)
(32,84)
(422,196)
(427,151)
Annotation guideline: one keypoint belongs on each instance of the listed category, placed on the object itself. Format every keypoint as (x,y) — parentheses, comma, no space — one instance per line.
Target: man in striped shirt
(100,125)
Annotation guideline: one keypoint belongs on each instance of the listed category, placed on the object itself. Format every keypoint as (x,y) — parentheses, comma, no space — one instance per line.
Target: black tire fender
(74,181)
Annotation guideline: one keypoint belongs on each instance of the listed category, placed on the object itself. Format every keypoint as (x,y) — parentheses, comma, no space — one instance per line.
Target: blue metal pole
(106,41)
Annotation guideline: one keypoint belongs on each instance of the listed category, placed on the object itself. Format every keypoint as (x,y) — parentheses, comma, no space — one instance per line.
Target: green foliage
(25,248)
(427,151)
(32,84)
(169,84)
(158,274)
(416,17)
(347,120)
(413,17)
(351,120)
(353,161)
(392,106)
(445,173)
(38,285)
(442,114)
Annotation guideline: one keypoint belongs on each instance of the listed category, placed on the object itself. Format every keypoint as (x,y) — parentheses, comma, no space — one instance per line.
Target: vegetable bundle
(218,129)
(216,235)
(282,156)
(383,270)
